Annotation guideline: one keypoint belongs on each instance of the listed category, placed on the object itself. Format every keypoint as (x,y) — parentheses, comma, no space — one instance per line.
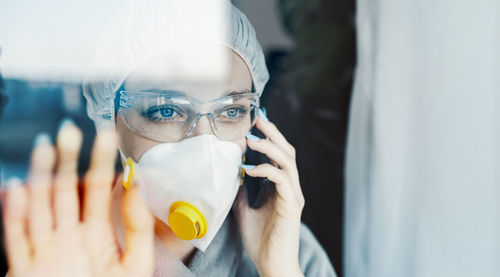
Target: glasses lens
(158,117)
(235,116)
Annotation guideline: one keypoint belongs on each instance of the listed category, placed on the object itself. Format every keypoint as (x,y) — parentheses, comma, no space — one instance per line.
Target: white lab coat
(422,163)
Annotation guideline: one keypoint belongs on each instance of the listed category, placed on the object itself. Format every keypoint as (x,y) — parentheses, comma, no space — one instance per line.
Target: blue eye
(233,113)
(164,113)
(167,112)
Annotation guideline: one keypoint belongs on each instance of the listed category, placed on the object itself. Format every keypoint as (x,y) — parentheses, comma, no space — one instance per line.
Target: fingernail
(42,139)
(264,111)
(66,122)
(247,166)
(263,114)
(252,137)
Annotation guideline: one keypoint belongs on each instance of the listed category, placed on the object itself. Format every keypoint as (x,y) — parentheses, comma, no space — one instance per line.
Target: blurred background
(310,53)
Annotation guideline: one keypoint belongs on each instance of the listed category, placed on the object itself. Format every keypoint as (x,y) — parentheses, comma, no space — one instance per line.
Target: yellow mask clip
(128,173)
(242,171)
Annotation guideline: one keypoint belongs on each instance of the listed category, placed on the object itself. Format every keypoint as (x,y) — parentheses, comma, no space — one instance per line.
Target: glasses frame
(126,98)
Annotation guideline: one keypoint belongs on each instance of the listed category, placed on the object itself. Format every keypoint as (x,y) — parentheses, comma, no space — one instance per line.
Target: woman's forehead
(189,71)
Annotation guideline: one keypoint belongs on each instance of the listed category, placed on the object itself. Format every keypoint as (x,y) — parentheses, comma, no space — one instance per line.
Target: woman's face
(176,71)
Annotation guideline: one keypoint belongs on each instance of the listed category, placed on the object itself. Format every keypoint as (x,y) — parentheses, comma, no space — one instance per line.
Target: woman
(176,90)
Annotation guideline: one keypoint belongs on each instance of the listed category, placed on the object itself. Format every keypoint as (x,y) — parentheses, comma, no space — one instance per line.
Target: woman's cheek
(132,145)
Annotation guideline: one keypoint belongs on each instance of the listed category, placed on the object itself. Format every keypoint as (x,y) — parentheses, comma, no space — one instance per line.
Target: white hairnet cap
(145,28)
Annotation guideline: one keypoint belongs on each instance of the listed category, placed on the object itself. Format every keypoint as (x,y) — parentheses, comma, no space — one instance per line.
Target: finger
(277,158)
(278,176)
(139,233)
(99,178)
(41,220)
(14,222)
(272,151)
(271,131)
(66,204)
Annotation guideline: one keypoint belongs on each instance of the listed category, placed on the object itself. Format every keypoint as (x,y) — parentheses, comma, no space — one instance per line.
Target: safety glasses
(167,117)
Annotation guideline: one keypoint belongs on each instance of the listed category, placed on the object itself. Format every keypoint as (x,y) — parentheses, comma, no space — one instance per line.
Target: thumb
(242,198)
(241,203)
(139,233)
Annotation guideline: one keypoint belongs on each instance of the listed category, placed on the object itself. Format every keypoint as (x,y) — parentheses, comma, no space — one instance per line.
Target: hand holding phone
(269,217)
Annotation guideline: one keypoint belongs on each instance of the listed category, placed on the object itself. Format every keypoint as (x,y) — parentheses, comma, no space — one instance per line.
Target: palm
(268,231)
(63,256)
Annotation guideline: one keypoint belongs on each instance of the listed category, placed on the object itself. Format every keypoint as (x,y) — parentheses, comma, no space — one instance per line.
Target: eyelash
(177,113)
(241,112)
(150,113)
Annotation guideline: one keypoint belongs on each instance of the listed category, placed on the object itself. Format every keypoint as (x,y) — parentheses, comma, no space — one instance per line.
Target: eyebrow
(239,92)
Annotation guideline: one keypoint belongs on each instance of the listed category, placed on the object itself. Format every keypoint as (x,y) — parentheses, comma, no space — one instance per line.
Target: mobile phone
(259,190)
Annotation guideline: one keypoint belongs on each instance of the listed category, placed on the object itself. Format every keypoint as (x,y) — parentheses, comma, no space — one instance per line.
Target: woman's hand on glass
(51,231)
(271,233)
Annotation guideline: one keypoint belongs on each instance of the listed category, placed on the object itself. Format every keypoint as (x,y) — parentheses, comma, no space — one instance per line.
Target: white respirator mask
(190,185)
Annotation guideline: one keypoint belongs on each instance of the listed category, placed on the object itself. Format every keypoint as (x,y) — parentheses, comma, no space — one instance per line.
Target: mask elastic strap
(122,156)
(242,171)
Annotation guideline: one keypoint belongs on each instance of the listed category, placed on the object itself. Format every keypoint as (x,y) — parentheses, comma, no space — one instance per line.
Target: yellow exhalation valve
(186,221)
